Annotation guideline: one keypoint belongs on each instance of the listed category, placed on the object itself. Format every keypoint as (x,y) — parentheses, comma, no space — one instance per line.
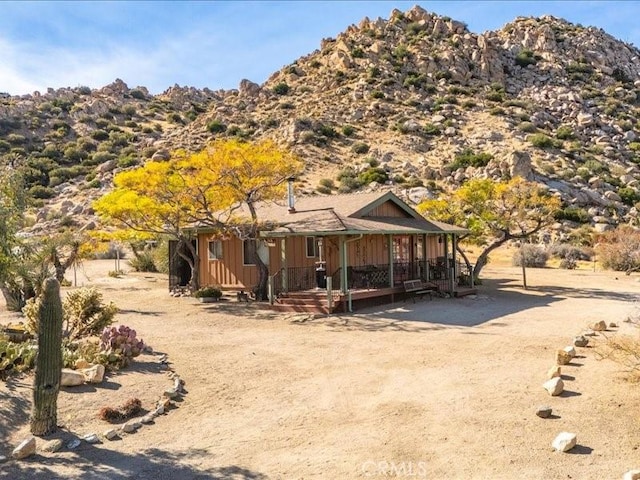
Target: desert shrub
(629,196)
(327,182)
(281,88)
(137,94)
(431,129)
(143,262)
(619,249)
(83,350)
(377,94)
(564,133)
(527,127)
(525,57)
(360,148)
(573,214)
(373,174)
(468,158)
(534,256)
(540,140)
(99,135)
(39,191)
(567,251)
(348,130)
(208,292)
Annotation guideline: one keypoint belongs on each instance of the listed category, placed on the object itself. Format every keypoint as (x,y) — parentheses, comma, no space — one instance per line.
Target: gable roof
(344,214)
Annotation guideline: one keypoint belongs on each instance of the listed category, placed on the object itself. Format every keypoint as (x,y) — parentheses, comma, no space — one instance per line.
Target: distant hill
(416,101)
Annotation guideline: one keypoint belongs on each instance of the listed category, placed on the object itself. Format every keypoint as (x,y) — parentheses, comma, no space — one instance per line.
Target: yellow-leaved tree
(218,187)
(494,212)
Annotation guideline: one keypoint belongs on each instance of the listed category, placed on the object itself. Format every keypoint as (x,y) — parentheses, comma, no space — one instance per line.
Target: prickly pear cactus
(44,417)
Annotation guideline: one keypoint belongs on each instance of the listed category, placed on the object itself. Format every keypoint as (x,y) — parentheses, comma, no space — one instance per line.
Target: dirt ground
(442,389)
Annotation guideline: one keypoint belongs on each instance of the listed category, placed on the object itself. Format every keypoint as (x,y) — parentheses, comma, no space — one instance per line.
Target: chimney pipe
(291,199)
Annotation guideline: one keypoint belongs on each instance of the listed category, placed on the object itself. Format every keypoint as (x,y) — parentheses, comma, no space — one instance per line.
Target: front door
(402,256)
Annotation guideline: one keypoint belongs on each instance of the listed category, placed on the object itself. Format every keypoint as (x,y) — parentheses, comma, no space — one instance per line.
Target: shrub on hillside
(619,249)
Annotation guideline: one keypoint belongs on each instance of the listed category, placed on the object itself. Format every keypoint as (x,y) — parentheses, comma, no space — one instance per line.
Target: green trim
(358,232)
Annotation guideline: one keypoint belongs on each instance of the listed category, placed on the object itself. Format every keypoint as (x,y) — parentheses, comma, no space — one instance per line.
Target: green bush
(348,130)
(281,88)
(39,191)
(540,140)
(99,135)
(526,57)
(564,133)
(216,126)
(468,158)
(527,127)
(373,174)
(431,129)
(534,256)
(208,292)
(360,148)
(143,262)
(629,196)
(573,214)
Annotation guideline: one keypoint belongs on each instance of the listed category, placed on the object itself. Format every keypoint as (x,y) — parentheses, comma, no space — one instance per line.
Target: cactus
(48,362)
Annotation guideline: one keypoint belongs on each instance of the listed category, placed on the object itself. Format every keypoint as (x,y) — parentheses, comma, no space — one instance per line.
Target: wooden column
(390,241)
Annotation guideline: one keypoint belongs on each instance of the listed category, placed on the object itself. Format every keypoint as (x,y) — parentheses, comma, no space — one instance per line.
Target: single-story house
(336,250)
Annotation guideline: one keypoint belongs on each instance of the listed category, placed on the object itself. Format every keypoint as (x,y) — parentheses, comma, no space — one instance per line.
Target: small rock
(147,418)
(544,412)
(53,446)
(131,426)
(565,441)
(554,372)
(600,326)
(170,393)
(570,350)
(25,449)
(71,378)
(91,438)
(580,341)
(555,386)
(3,458)
(73,444)
(110,434)
(177,384)
(613,325)
(562,357)
(93,374)
(164,403)
(632,475)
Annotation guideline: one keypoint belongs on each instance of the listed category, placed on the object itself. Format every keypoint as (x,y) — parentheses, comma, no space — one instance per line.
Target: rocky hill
(416,101)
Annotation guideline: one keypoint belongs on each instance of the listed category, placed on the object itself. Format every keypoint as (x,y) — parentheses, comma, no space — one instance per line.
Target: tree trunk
(484,256)
(263,276)
(193,259)
(13,298)
(44,416)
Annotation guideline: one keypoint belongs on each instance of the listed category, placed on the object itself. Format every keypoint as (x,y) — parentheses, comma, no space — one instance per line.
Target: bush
(374,174)
(534,256)
(281,88)
(619,249)
(208,292)
(564,133)
(99,135)
(84,313)
(540,140)
(527,127)
(573,214)
(360,148)
(216,126)
(629,196)
(144,262)
(525,57)
(468,158)
(567,251)
(348,130)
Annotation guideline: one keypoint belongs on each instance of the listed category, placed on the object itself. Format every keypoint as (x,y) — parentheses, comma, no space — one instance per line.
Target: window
(248,252)
(311,247)
(215,250)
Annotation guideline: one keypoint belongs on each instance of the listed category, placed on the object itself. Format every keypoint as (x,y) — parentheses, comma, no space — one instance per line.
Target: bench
(415,288)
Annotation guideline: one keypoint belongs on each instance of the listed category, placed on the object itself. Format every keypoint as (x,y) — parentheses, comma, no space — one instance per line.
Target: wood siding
(387,209)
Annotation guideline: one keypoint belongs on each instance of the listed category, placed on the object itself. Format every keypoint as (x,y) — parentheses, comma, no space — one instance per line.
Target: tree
(219,187)
(494,213)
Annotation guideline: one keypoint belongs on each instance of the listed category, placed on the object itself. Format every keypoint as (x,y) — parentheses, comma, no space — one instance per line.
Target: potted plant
(208,294)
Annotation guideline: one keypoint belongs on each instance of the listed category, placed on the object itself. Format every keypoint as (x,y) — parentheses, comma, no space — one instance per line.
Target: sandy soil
(443,389)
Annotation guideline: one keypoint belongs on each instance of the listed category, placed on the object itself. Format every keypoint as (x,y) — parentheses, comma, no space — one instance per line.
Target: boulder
(600,326)
(565,441)
(554,372)
(71,378)
(544,411)
(580,341)
(25,449)
(94,374)
(555,386)
(570,351)
(110,434)
(91,438)
(562,357)
(613,325)
(632,475)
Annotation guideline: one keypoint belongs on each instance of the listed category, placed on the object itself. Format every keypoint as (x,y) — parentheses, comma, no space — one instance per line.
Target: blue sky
(216,44)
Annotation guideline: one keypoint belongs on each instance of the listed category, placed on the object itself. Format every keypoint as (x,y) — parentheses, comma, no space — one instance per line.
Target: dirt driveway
(443,389)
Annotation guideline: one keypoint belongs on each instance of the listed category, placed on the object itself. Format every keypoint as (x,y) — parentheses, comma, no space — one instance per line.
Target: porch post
(390,241)
(425,252)
(283,264)
(342,253)
(454,244)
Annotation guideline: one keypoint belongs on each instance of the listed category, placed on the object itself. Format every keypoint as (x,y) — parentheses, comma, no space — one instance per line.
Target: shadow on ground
(95,463)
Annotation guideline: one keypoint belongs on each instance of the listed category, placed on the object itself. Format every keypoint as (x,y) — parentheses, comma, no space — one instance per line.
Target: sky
(215,44)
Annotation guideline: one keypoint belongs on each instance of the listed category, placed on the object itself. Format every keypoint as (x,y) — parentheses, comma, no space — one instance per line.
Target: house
(336,251)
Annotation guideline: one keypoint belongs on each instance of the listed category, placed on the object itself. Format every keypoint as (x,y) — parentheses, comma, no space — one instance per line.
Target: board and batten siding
(387,209)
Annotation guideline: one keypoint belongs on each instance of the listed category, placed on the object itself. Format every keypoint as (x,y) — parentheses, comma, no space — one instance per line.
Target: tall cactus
(44,416)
